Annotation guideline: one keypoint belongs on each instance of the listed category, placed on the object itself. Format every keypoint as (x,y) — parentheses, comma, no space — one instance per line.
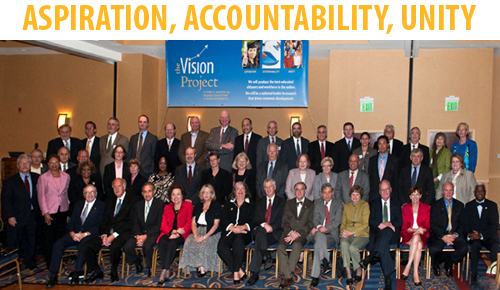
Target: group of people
(217,191)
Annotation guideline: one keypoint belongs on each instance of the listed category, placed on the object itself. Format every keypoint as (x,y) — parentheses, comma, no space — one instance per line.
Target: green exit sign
(451,106)
(366,107)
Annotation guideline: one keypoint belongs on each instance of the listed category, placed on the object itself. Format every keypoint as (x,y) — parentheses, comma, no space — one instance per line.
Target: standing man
(413,144)
(21,210)
(383,166)
(294,146)
(247,142)
(221,140)
(297,223)
(273,168)
(195,139)
(110,141)
(319,149)
(63,155)
(271,138)
(83,156)
(350,177)
(385,226)
(447,230)
(416,174)
(326,222)
(480,227)
(91,143)
(344,148)
(73,144)
(394,145)
(189,176)
(142,146)
(36,162)
(267,217)
(146,216)
(168,147)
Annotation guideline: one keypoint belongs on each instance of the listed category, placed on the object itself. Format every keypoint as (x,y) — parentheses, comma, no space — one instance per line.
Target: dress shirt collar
(348,139)
(121,198)
(194,134)
(90,205)
(249,135)
(272,200)
(271,139)
(247,200)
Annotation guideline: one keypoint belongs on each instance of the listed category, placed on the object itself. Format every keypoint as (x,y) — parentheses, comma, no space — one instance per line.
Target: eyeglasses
(89,192)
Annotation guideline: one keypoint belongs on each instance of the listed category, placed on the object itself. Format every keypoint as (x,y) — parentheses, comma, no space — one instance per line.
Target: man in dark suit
(273,168)
(297,223)
(383,166)
(21,210)
(91,143)
(115,229)
(196,139)
(168,147)
(189,176)
(83,156)
(413,144)
(325,231)
(267,218)
(272,130)
(416,174)
(385,225)
(65,164)
(348,178)
(109,141)
(394,145)
(294,146)
(221,140)
(344,147)
(247,142)
(73,144)
(480,227)
(36,162)
(142,146)
(146,215)
(319,149)
(446,231)
(82,227)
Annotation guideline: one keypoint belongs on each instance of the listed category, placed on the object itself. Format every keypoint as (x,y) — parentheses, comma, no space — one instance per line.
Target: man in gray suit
(221,140)
(110,141)
(196,139)
(297,222)
(350,177)
(273,168)
(142,146)
(272,130)
(326,222)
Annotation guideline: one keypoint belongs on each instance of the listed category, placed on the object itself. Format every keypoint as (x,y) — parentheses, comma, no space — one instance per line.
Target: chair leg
(276,272)
(179,268)
(123,265)
(154,261)
(304,270)
(334,262)
(467,267)
(220,261)
(398,263)
(18,274)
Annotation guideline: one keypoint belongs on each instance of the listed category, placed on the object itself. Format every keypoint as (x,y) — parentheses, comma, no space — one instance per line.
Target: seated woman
(200,249)
(415,231)
(463,180)
(326,176)
(175,228)
(354,231)
(85,176)
(242,171)
(115,169)
(215,176)
(162,179)
(301,173)
(236,224)
(136,180)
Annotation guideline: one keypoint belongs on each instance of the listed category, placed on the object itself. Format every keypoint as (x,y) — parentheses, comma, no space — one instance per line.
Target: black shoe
(449,272)
(314,282)
(326,267)
(138,266)
(349,281)
(268,263)
(357,278)
(148,271)
(52,280)
(74,279)
(436,270)
(244,277)
(164,280)
(404,277)
(388,283)
(200,275)
(253,279)
(473,279)
(94,276)
(114,277)
(364,264)
(418,284)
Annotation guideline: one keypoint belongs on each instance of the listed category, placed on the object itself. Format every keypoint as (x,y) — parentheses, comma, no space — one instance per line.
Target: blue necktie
(414,177)
(270,172)
(118,206)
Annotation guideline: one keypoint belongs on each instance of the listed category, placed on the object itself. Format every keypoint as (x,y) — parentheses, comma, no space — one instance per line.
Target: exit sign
(451,104)
(366,104)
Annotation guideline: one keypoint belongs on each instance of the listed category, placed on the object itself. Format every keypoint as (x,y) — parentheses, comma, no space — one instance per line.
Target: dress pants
(436,248)
(262,241)
(58,251)
(24,238)
(167,248)
(321,244)
(349,247)
(288,263)
(383,251)
(52,233)
(475,247)
(231,250)
(147,250)
(92,248)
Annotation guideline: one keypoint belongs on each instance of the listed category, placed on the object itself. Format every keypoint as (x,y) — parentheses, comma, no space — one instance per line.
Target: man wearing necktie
(168,147)
(447,225)
(273,168)
(63,154)
(146,216)
(344,147)
(142,146)
(267,218)
(271,138)
(320,149)
(109,141)
(65,140)
(413,144)
(247,142)
(382,166)
(480,227)
(82,228)
(326,222)
(297,223)
(294,146)
(416,174)
(221,140)
(189,176)
(92,143)
(350,177)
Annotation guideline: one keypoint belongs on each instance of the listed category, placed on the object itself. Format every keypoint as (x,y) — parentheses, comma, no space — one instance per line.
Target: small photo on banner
(271,54)
(250,54)
(293,51)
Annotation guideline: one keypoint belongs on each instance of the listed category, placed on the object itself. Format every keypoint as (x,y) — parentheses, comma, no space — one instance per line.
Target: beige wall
(494,172)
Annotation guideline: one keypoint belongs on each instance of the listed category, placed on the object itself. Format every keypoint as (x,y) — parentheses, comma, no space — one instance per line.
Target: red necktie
(27,184)
(327,216)
(273,140)
(322,151)
(268,212)
(246,144)
(351,179)
(190,176)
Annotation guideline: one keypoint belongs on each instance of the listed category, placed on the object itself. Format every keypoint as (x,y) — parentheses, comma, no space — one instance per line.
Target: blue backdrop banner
(237,73)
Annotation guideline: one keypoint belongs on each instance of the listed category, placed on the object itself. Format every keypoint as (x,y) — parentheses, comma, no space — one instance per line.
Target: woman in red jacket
(175,228)
(415,231)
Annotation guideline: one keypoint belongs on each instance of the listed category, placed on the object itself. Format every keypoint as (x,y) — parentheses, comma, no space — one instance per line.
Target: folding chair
(9,259)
